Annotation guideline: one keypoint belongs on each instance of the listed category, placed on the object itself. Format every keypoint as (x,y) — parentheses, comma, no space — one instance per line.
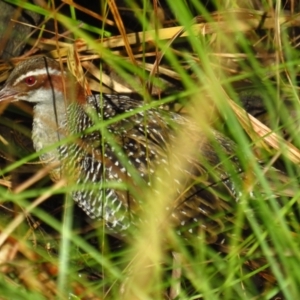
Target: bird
(127,151)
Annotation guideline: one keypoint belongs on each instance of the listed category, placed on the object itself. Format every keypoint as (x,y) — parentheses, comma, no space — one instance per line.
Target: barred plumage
(129,152)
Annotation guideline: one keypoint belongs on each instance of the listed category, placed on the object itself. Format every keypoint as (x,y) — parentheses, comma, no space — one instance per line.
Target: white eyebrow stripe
(38,72)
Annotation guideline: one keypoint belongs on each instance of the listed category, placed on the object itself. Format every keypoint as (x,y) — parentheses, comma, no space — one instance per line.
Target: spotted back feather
(130,154)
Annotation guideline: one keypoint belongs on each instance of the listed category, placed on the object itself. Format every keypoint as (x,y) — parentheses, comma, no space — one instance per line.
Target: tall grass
(233,54)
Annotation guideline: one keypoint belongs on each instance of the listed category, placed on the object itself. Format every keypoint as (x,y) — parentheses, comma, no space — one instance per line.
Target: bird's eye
(30,80)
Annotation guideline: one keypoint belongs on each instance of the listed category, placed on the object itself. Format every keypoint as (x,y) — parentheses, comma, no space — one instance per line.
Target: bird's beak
(8,94)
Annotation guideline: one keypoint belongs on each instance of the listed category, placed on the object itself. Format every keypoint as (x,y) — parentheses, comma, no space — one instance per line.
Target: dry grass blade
(73,62)
(263,136)
(114,9)
(235,21)
(6,183)
(35,178)
(89,12)
(104,79)
(10,228)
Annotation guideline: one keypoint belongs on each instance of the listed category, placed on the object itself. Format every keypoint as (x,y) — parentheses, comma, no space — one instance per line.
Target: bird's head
(40,80)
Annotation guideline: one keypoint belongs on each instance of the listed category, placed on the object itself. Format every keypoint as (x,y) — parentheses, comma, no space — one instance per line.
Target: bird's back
(117,162)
